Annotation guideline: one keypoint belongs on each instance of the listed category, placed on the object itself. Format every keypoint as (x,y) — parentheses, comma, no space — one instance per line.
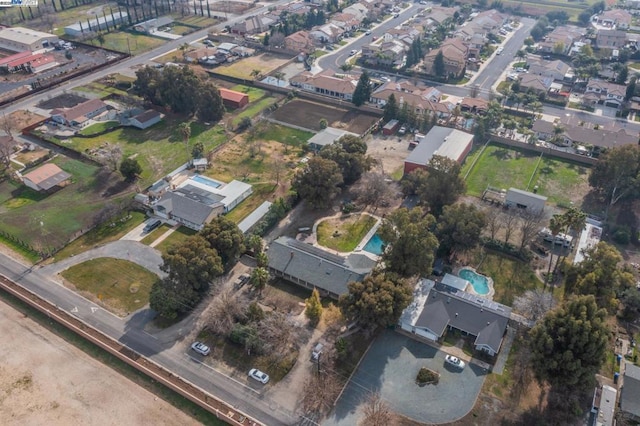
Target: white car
(201,348)
(499,50)
(353,52)
(368,32)
(455,361)
(258,375)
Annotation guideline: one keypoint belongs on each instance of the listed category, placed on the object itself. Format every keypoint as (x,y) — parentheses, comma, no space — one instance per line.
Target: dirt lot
(66,100)
(23,118)
(236,7)
(390,151)
(265,63)
(308,115)
(45,380)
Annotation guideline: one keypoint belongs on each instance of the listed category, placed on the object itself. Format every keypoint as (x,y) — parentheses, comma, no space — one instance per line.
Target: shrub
(427,377)
(622,235)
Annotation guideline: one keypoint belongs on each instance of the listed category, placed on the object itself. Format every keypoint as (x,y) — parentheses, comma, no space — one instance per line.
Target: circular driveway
(390,368)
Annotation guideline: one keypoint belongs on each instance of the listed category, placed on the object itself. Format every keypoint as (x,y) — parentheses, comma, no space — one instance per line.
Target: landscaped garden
(119,284)
(345,232)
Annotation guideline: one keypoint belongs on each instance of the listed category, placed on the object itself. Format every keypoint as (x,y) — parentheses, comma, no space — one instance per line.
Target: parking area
(390,368)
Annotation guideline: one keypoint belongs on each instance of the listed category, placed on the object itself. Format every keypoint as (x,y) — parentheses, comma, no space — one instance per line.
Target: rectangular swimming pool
(206,181)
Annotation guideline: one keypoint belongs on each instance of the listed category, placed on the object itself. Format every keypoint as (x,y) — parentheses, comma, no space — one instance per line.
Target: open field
(120,285)
(23,118)
(504,167)
(159,149)
(49,375)
(125,41)
(253,109)
(196,21)
(265,63)
(308,115)
(49,220)
(253,92)
(344,233)
(539,8)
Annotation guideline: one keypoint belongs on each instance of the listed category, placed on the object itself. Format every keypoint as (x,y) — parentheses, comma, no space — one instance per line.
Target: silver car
(455,361)
(201,348)
(258,375)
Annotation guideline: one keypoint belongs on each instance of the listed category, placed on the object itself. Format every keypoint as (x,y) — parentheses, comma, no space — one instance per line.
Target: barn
(525,200)
(19,39)
(443,141)
(232,99)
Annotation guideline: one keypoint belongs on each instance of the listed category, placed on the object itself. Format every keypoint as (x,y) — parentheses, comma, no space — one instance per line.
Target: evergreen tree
(313,307)
(438,65)
(363,90)
(390,108)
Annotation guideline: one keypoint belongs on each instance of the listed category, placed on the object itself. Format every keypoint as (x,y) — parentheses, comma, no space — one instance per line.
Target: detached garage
(525,200)
(232,99)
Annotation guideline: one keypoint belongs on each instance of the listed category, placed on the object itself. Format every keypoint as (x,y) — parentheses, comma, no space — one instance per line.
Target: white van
(499,50)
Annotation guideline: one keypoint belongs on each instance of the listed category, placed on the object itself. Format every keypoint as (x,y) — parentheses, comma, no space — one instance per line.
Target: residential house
(536,83)
(474,105)
(475,43)
(253,25)
(609,94)
(326,84)
(441,15)
(327,33)
(422,99)
(346,21)
(358,10)
(619,19)
(444,141)
(561,39)
(299,41)
(326,137)
(386,54)
(490,20)
(630,393)
(145,119)
(557,70)
(438,308)
(152,25)
(455,54)
(186,211)
(233,99)
(79,115)
(314,268)
(46,177)
(611,39)
(574,134)
(604,405)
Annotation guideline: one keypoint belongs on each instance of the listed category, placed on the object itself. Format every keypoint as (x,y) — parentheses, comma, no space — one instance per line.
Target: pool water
(206,181)
(375,245)
(479,282)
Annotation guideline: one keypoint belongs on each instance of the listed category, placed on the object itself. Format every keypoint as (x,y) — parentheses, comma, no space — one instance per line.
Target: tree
(113,155)
(349,153)
(226,238)
(313,306)
(438,65)
(320,392)
(373,190)
(346,67)
(181,89)
(390,108)
(622,75)
(170,298)
(377,300)
(193,262)
(459,227)
(362,93)
(198,150)
(555,226)
(185,131)
(255,73)
(616,175)
(224,312)
(443,185)
(569,345)
(130,169)
(376,412)
(318,183)
(259,279)
(146,84)
(534,304)
(210,106)
(411,243)
(279,75)
(631,89)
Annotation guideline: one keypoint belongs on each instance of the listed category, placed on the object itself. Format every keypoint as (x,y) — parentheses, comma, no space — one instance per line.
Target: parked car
(152,225)
(402,130)
(258,375)
(241,281)
(208,43)
(368,32)
(353,52)
(455,361)
(201,348)
(499,50)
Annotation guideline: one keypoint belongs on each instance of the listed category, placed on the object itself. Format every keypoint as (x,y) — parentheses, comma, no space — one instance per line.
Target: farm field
(308,114)
(265,63)
(562,181)
(122,286)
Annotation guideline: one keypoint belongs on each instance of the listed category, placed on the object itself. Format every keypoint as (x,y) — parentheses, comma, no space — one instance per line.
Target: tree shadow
(501,154)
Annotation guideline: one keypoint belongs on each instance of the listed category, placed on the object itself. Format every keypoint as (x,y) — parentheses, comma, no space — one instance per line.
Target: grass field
(121,285)
(282,134)
(158,149)
(344,234)
(98,127)
(196,21)
(123,41)
(265,63)
(253,92)
(253,109)
(155,234)
(49,220)
(176,237)
(502,167)
(101,235)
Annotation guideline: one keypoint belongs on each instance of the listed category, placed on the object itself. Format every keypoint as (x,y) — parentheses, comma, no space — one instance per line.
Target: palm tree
(185,132)
(520,54)
(558,131)
(555,226)
(259,279)
(255,73)
(574,220)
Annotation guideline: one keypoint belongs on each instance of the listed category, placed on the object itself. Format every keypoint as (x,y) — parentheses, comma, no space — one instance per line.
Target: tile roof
(232,95)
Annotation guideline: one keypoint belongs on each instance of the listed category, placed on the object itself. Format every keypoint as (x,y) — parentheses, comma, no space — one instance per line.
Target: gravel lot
(45,380)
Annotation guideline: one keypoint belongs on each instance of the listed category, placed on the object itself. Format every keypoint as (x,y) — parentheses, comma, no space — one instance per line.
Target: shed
(326,137)
(254,217)
(391,127)
(443,141)
(45,177)
(525,200)
(146,119)
(233,99)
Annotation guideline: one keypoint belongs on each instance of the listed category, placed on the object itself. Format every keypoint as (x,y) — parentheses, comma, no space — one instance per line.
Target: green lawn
(253,109)
(503,86)
(155,234)
(261,192)
(253,92)
(344,234)
(122,285)
(98,127)
(511,277)
(500,167)
(282,134)
(101,235)
(196,21)
(635,65)
(123,41)
(158,149)
(561,180)
(102,90)
(176,237)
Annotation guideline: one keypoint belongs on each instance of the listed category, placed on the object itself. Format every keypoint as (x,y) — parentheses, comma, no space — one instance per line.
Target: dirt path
(45,380)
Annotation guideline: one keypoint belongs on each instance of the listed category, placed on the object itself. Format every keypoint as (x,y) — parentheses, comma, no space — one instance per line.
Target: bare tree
(7,145)
(376,412)
(494,221)
(224,312)
(278,167)
(7,125)
(112,156)
(529,225)
(48,16)
(373,190)
(534,304)
(509,220)
(276,334)
(277,39)
(319,392)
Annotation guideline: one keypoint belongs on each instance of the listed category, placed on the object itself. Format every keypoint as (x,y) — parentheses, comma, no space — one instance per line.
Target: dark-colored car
(152,225)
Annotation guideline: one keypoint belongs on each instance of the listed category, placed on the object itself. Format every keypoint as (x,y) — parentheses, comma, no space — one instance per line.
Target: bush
(622,235)
(427,377)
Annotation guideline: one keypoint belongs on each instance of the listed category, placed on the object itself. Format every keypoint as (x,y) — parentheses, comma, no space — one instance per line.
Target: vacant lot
(66,100)
(264,63)
(125,42)
(308,115)
(503,167)
(345,232)
(46,380)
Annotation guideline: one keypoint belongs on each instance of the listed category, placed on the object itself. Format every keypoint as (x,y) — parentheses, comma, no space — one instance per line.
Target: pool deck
(492,290)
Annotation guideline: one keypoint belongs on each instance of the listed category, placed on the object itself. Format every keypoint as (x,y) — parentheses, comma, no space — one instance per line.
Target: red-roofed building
(233,99)
(25,61)
(10,58)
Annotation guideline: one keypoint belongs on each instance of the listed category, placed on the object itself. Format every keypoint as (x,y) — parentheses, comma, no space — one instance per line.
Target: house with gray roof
(179,207)
(444,141)
(312,267)
(630,392)
(437,308)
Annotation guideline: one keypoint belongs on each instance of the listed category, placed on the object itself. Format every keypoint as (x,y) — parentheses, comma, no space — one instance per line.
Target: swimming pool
(479,282)
(206,181)
(375,245)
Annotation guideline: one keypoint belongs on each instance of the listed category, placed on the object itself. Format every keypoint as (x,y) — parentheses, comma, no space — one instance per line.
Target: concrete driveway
(390,368)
